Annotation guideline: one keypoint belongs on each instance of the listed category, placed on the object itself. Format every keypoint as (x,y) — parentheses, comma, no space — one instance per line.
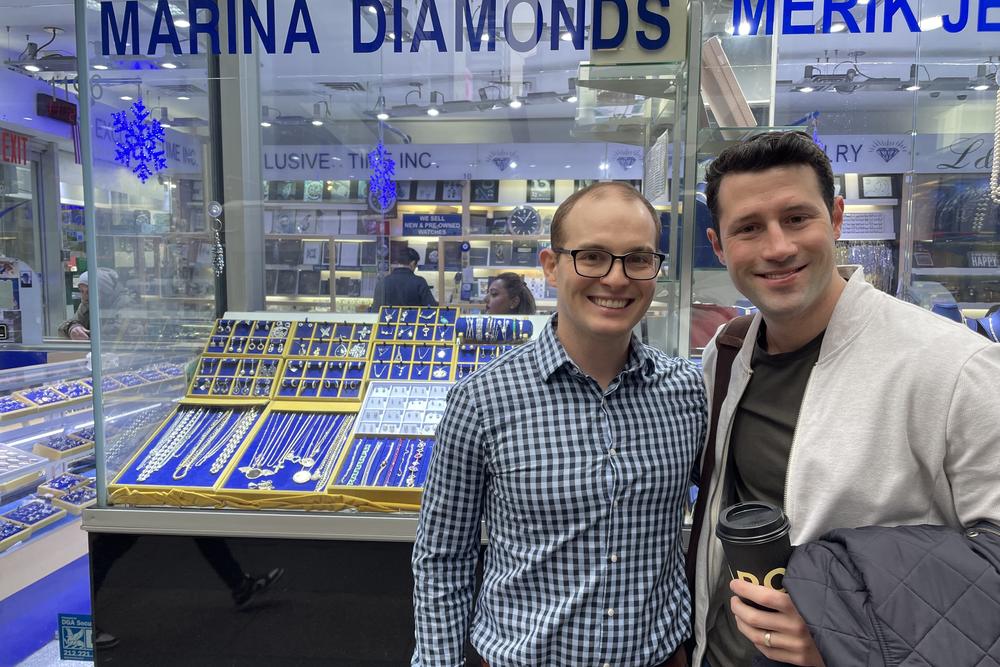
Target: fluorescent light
(317,122)
(166,125)
(572,99)
(28,118)
(515,104)
(100,67)
(744,28)
(433,111)
(931,23)
(863,2)
(182,23)
(806,89)
(513,165)
(565,166)
(981,87)
(381,115)
(183,98)
(566,36)
(125,98)
(839,26)
(913,88)
(264,123)
(33,68)
(169,66)
(372,10)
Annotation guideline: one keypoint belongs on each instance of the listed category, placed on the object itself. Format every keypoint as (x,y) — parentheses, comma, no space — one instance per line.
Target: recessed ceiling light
(166,125)
(806,89)
(33,68)
(381,115)
(513,165)
(863,2)
(839,26)
(371,9)
(729,30)
(981,87)
(433,111)
(572,99)
(183,98)
(485,37)
(264,123)
(182,23)
(931,23)
(744,28)
(391,36)
(169,66)
(565,166)
(913,88)
(603,165)
(125,98)
(100,67)
(566,36)
(28,118)
(515,104)
(317,122)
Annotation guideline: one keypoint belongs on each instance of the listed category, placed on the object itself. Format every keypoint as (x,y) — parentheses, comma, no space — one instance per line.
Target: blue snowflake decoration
(382,187)
(141,141)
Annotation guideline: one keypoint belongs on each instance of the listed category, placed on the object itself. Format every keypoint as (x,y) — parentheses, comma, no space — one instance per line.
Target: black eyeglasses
(594,263)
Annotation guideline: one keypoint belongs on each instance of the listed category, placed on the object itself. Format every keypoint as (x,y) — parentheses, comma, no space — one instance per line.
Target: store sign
(430,224)
(888,16)
(122,31)
(76,637)
(984,260)
(476,23)
(900,153)
(13,147)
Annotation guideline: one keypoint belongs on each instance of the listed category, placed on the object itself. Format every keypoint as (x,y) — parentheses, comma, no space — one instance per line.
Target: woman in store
(508,295)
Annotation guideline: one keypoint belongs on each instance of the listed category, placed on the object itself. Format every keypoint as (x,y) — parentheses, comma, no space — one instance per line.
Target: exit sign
(13,147)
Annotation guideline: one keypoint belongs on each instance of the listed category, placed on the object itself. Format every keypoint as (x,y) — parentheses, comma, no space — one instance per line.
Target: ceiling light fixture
(572,99)
(33,68)
(264,123)
(126,98)
(913,88)
(981,87)
(100,67)
(603,165)
(183,98)
(382,115)
(513,165)
(169,65)
(744,29)
(839,26)
(317,122)
(182,23)
(432,111)
(931,23)
(437,99)
(515,103)
(566,36)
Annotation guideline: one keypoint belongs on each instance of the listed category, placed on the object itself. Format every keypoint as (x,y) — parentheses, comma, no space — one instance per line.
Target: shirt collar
(551,355)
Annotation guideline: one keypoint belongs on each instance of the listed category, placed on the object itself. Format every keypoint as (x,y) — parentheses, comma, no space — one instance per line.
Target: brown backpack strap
(728,344)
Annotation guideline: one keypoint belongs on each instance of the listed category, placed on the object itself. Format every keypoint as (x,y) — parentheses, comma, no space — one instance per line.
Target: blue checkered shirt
(582,491)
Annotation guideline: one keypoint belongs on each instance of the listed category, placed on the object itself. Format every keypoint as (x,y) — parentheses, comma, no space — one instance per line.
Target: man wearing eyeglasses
(576,448)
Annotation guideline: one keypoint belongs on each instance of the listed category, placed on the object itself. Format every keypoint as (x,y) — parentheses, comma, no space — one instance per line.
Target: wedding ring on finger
(767,639)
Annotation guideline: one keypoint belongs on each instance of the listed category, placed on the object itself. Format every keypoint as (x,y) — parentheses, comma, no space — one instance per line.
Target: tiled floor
(48,656)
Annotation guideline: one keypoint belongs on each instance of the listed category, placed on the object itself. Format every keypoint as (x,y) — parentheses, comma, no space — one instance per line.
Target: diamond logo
(888,149)
(502,163)
(887,153)
(626,161)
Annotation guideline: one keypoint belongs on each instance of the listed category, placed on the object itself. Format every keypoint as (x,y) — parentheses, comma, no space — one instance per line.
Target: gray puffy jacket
(908,596)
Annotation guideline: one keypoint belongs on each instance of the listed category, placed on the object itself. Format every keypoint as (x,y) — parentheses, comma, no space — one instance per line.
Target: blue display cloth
(292,451)
(396,315)
(192,448)
(386,461)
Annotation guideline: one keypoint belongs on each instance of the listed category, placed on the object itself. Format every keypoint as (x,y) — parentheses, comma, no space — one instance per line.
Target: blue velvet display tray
(10,530)
(300,435)
(200,476)
(386,462)
(494,329)
(12,404)
(34,512)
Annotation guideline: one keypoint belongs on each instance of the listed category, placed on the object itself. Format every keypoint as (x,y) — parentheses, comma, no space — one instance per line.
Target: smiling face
(601,311)
(84,292)
(776,238)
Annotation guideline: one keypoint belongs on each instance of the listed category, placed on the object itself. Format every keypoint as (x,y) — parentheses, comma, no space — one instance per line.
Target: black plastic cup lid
(751,521)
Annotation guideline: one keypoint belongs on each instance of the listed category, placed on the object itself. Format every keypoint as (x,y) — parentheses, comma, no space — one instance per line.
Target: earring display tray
(11,533)
(13,404)
(62,446)
(386,462)
(291,452)
(250,337)
(77,500)
(77,389)
(192,448)
(392,408)
(245,377)
(15,465)
(35,514)
(62,484)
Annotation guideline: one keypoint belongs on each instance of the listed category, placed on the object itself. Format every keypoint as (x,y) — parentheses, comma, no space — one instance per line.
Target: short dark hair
(623,190)
(407,256)
(766,151)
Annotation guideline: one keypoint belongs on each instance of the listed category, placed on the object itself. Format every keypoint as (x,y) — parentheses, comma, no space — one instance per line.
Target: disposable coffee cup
(754,536)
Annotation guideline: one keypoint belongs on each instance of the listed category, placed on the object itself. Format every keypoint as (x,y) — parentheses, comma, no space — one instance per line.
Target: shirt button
(607,664)
(611,612)
(612,451)
(614,558)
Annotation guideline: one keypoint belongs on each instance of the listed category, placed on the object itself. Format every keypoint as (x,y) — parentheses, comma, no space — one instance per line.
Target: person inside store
(78,326)
(576,449)
(509,295)
(846,406)
(403,287)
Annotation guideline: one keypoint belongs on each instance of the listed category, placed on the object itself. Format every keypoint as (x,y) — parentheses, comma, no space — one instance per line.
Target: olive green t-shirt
(759,445)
